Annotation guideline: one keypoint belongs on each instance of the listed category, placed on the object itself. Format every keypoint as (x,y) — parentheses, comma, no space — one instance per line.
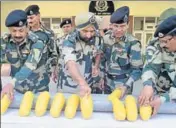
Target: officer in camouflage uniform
(66,26)
(79,52)
(37,27)
(26,53)
(122,51)
(163,55)
(163,83)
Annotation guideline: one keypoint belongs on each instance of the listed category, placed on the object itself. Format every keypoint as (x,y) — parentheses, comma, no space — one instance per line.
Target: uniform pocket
(12,57)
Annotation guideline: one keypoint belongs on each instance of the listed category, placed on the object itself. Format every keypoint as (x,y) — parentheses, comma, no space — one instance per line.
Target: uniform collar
(24,41)
(41,28)
(123,38)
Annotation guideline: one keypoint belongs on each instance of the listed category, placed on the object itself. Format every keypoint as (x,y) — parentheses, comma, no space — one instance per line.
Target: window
(139,23)
(54,24)
(150,20)
(65,18)
(46,22)
(56,20)
(138,36)
(144,27)
(49,21)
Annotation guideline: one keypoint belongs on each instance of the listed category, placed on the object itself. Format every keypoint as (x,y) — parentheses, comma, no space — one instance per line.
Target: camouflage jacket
(83,54)
(157,59)
(27,61)
(123,58)
(52,51)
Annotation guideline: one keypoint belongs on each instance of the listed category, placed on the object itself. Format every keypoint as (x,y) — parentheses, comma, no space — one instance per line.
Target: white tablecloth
(99,120)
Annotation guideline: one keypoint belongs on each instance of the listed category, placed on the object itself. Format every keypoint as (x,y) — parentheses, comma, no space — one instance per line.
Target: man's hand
(155,104)
(101,84)
(123,90)
(54,76)
(84,89)
(9,90)
(5,69)
(146,95)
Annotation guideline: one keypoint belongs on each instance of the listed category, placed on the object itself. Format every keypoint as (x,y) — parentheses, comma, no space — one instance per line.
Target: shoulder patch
(42,36)
(72,37)
(32,36)
(131,38)
(68,43)
(48,31)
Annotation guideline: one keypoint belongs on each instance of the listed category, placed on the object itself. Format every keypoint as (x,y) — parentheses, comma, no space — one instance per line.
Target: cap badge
(160,34)
(92,19)
(20,23)
(125,19)
(31,12)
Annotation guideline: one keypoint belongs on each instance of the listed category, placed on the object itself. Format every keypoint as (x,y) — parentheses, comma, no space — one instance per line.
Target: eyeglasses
(163,42)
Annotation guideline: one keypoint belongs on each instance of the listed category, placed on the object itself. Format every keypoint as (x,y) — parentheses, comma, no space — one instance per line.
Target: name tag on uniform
(25,51)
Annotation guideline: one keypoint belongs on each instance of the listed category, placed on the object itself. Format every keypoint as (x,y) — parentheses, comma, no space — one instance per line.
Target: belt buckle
(113,76)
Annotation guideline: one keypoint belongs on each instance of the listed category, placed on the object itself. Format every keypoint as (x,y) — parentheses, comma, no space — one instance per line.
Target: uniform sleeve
(68,52)
(169,96)
(3,51)
(136,63)
(152,66)
(31,63)
(53,56)
(99,45)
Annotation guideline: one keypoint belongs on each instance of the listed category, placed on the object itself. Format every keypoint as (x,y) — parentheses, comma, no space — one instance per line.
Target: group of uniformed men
(84,61)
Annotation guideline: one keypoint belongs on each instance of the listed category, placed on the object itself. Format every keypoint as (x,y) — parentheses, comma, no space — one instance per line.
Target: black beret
(121,15)
(16,18)
(32,9)
(64,22)
(167,27)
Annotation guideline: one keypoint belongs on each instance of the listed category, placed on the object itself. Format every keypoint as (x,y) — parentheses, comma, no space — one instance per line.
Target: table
(99,120)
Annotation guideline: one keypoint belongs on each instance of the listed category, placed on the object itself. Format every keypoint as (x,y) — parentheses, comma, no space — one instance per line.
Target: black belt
(114,77)
(125,67)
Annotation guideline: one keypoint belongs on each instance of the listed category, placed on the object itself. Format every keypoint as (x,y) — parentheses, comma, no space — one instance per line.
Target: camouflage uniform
(51,45)
(27,61)
(123,61)
(158,59)
(59,41)
(163,80)
(59,46)
(83,53)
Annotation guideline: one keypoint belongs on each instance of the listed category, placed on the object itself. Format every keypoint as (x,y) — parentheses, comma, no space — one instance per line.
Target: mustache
(18,37)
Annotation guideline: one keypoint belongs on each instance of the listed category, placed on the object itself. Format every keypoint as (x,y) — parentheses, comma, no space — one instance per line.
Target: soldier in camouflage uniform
(160,55)
(122,52)
(26,53)
(163,82)
(66,26)
(37,27)
(79,52)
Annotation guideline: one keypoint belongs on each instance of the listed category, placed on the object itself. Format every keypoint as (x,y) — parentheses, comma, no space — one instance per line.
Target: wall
(71,8)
